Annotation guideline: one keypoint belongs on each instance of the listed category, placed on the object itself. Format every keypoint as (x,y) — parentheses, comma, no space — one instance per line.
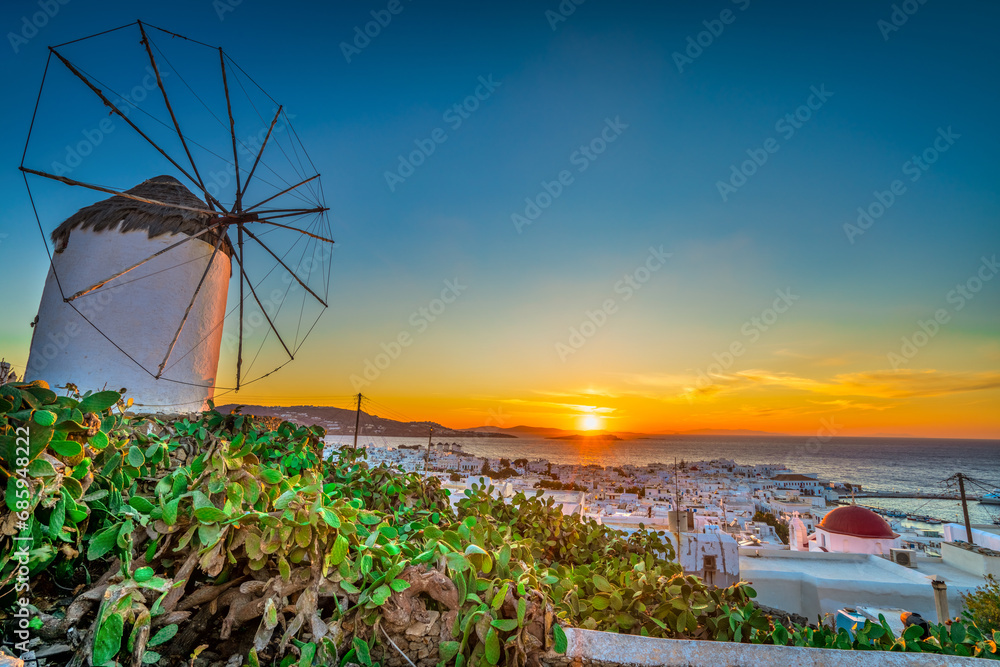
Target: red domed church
(849,529)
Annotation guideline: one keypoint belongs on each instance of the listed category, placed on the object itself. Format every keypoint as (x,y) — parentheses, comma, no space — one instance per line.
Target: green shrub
(982,606)
(230,530)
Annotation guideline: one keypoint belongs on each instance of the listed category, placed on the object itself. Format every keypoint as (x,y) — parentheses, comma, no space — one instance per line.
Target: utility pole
(357,422)
(965,507)
(427,457)
(677,512)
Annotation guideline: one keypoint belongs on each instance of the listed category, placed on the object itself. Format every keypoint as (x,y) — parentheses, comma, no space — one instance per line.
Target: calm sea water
(877,464)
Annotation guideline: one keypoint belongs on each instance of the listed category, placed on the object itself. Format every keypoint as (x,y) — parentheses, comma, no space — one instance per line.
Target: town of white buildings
(839,559)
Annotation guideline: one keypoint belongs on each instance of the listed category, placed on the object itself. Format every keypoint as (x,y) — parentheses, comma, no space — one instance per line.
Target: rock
(53,649)
(423,625)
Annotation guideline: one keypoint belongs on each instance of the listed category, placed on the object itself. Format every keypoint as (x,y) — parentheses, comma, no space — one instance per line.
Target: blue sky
(656,184)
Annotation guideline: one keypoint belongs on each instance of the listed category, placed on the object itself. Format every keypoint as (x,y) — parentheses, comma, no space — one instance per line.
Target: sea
(915,465)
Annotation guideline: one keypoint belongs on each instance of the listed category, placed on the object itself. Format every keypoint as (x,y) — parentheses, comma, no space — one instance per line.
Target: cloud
(845,404)
(885,384)
(586,409)
(914,383)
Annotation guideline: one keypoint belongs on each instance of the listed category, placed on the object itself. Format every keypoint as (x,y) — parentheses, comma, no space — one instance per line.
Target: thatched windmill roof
(154,219)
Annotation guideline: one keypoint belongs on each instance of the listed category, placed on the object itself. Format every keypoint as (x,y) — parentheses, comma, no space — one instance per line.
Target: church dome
(856,521)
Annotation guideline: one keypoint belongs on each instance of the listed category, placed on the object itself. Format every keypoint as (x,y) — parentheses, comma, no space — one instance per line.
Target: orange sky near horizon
(922,403)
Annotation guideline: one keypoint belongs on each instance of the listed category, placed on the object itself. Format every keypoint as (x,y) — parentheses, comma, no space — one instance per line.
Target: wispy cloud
(889,384)
(913,383)
(583,409)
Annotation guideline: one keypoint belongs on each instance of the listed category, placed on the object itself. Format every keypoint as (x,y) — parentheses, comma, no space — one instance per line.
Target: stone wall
(608,649)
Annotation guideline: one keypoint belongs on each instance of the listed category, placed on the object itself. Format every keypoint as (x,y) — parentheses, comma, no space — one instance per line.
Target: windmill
(228,247)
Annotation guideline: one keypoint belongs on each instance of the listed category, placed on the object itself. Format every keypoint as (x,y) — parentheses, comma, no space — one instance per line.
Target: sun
(591,422)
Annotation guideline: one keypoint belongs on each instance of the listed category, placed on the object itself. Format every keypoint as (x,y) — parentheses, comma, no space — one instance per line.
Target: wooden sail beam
(299,280)
(296,229)
(170,109)
(126,195)
(246,184)
(288,189)
(289,212)
(187,311)
(238,206)
(239,350)
(239,259)
(108,103)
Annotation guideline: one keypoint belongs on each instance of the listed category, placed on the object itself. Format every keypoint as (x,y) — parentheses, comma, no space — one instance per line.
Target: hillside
(338,421)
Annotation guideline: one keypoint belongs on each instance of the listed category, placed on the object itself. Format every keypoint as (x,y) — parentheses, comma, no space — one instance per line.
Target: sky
(716,215)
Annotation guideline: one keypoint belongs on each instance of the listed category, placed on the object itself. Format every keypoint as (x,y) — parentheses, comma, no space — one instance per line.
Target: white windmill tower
(138,291)
(153,311)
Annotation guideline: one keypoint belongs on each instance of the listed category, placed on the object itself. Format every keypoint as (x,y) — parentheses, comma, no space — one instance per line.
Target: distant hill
(339,421)
(559,433)
(726,431)
(554,433)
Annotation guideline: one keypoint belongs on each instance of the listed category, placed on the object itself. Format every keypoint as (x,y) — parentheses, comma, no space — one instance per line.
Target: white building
(473,464)
(807,484)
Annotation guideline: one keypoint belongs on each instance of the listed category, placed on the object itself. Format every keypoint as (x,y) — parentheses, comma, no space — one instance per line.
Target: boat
(991,498)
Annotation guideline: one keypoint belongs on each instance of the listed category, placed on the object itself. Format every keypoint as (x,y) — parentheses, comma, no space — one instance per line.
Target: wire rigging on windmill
(140,292)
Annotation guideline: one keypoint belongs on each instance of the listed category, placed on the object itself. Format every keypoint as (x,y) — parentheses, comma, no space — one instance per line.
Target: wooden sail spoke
(296,229)
(290,212)
(239,259)
(187,311)
(280,261)
(156,254)
(286,190)
(126,195)
(170,109)
(238,206)
(239,351)
(256,161)
(108,103)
